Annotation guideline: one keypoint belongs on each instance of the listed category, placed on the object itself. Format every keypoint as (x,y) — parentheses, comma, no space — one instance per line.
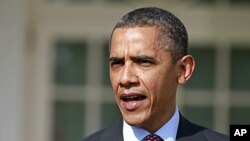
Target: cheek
(150,82)
(157,82)
(114,80)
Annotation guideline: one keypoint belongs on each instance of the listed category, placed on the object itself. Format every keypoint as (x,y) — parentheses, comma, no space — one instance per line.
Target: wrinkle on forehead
(156,37)
(156,44)
(131,34)
(128,38)
(136,35)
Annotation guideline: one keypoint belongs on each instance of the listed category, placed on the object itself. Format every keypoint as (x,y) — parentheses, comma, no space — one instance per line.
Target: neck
(157,123)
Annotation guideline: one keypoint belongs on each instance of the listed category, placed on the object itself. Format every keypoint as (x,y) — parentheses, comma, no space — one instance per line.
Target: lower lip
(132,105)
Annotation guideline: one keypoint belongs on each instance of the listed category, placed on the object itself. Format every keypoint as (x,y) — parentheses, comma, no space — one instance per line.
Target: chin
(134,120)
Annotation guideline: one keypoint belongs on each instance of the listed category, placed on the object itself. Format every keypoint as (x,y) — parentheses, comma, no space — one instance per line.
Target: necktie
(152,137)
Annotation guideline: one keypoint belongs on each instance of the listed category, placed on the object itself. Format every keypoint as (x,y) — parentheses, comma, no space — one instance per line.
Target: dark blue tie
(152,137)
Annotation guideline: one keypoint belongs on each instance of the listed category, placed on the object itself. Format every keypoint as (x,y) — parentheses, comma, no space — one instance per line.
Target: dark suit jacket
(187,131)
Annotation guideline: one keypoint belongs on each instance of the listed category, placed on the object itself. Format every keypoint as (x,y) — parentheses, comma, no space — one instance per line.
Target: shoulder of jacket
(215,136)
(112,131)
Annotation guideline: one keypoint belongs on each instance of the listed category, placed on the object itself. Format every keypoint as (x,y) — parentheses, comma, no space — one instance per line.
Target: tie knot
(152,137)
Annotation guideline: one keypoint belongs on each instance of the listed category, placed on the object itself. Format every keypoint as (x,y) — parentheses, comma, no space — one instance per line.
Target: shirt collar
(168,131)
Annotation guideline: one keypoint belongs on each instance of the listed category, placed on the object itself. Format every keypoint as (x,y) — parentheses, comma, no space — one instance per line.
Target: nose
(128,77)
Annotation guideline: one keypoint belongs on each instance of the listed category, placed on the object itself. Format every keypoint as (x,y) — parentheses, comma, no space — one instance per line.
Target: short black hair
(173,34)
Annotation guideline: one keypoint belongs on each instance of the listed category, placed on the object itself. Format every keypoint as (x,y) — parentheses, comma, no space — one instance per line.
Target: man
(148,60)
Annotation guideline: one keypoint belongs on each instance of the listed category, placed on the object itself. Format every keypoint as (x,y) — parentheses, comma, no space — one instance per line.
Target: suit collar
(113,132)
(167,131)
(186,128)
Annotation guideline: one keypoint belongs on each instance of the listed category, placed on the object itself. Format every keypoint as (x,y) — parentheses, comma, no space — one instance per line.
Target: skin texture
(138,65)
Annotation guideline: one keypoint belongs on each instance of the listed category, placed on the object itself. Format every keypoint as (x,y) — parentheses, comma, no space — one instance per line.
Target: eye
(144,62)
(116,63)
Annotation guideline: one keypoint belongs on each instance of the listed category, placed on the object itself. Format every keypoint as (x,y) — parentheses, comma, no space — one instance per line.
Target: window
(202,115)
(203,76)
(69,80)
(110,113)
(240,68)
(70,62)
(68,121)
(240,115)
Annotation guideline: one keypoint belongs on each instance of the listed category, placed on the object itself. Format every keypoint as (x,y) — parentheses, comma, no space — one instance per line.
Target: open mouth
(132,102)
(134,97)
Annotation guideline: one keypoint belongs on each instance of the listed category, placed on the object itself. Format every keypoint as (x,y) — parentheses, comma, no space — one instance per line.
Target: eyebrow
(134,58)
(143,57)
(114,59)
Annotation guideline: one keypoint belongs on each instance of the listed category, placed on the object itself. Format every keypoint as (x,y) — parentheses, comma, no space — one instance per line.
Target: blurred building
(54,77)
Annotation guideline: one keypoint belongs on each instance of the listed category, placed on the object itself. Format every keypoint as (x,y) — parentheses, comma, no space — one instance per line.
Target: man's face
(143,76)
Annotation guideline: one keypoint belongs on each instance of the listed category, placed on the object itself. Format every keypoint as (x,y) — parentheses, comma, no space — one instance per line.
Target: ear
(186,67)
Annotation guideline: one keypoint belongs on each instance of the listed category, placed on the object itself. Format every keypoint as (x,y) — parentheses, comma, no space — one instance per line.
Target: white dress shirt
(167,132)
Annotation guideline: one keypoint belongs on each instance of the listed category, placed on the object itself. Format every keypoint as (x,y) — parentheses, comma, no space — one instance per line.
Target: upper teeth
(132,97)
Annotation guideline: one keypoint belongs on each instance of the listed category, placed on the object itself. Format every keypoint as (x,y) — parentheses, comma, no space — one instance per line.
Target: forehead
(136,38)
(134,32)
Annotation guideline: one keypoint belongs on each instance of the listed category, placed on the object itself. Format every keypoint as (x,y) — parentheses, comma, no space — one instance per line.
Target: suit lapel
(115,133)
(187,129)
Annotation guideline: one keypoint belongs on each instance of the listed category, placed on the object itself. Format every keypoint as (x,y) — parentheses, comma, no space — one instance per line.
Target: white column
(222,94)
(12,34)
(94,94)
